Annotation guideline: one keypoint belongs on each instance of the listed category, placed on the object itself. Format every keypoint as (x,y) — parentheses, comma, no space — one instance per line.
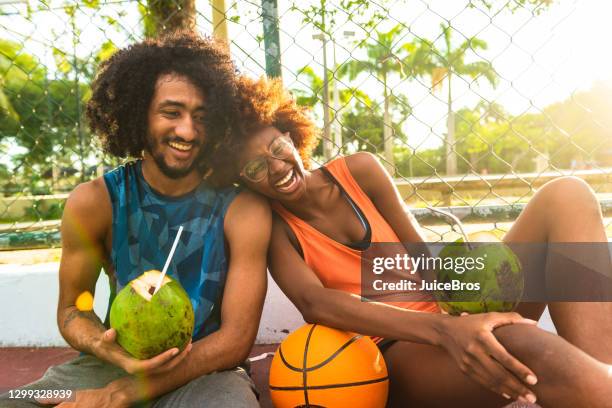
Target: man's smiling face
(176,125)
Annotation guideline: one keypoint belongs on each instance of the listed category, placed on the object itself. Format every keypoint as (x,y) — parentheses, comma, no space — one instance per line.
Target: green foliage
(488,139)
(5,175)
(384,56)
(452,59)
(148,21)
(46,111)
(362,128)
(5,104)
(91,3)
(44,210)
(537,6)
(314,94)
(576,130)
(389,55)
(365,13)
(581,128)
(41,108)
(420,163)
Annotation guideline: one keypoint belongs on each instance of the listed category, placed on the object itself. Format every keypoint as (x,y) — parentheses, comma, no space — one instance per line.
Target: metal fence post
(269,10)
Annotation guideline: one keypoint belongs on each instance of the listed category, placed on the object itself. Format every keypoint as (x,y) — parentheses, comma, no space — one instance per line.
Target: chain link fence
(470,105)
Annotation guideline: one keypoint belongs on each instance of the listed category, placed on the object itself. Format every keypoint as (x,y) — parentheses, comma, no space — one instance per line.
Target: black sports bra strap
(365,242)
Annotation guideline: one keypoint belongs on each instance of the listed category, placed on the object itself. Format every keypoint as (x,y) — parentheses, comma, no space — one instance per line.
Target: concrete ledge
(28,297)
(29,293)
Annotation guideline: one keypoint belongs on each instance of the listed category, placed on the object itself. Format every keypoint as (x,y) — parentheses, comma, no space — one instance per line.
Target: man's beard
(168,171)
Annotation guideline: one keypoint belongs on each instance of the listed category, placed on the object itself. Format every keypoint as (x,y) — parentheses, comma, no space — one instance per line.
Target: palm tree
(386,57)
(315,87)
(314,95)
(448,61)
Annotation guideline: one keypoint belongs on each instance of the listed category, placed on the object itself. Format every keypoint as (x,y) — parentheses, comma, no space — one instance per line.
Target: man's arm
(247,230)
(86,226)
(85,223)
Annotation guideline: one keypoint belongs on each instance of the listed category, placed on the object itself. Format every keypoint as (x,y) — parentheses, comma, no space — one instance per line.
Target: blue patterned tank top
(145,224)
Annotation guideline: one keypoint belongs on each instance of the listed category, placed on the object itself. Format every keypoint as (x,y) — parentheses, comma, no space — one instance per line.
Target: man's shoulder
(89,198)
(89,193)
(88,209)
(248,224)
(248,205)
(249,200)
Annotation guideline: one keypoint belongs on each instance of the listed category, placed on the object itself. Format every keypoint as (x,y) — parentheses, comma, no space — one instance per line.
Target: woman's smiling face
(271,166)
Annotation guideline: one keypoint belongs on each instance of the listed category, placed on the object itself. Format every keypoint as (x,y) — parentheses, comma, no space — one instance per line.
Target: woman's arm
(337,308)
(469,340)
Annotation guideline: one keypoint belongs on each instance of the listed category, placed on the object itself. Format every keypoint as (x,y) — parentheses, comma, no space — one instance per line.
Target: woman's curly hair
(125,85)
(262,103)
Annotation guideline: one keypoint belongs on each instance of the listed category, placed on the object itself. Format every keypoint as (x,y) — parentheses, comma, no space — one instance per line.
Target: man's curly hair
(262,103)
(125,85)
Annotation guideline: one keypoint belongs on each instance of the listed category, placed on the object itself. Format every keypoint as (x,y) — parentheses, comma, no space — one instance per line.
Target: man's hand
(106,348)
(469,339)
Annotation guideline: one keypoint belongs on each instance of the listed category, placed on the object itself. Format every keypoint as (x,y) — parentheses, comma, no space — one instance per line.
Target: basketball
(316,366)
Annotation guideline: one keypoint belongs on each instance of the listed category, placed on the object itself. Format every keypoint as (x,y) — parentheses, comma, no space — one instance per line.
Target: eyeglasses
(257,169)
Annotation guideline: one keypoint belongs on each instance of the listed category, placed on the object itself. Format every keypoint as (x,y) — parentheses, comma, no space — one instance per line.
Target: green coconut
(148,324)
(501,280)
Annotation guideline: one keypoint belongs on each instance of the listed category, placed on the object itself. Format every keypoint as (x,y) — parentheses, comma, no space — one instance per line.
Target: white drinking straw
(161,278)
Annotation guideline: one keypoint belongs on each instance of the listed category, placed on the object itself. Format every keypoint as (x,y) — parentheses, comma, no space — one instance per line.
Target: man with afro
(165,103)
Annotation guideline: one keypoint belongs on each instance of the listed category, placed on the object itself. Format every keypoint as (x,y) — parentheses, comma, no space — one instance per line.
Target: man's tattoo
(89,315)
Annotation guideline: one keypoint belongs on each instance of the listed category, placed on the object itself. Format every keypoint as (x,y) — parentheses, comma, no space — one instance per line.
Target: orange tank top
(337,265)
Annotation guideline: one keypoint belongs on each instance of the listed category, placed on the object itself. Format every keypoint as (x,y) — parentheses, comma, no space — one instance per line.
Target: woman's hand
(469,339)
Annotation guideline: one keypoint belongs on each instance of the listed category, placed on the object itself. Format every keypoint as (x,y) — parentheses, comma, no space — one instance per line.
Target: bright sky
(540,59)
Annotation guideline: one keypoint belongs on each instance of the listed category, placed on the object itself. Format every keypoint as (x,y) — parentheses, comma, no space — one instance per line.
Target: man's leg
(231,388)
(84,372)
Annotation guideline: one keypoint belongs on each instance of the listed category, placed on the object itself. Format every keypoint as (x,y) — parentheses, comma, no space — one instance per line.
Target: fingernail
(175,352)
(506,396)
(531,379)
(531,398)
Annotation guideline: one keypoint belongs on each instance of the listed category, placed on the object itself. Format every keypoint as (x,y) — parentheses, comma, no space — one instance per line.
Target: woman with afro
(326,217)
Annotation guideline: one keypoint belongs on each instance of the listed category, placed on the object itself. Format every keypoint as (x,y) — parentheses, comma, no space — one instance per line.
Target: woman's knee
(571,192)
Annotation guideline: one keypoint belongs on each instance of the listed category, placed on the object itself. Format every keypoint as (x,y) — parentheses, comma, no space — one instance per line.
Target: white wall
(28,301)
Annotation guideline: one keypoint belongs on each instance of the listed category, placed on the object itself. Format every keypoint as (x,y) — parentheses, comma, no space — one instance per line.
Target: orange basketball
(316,366)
